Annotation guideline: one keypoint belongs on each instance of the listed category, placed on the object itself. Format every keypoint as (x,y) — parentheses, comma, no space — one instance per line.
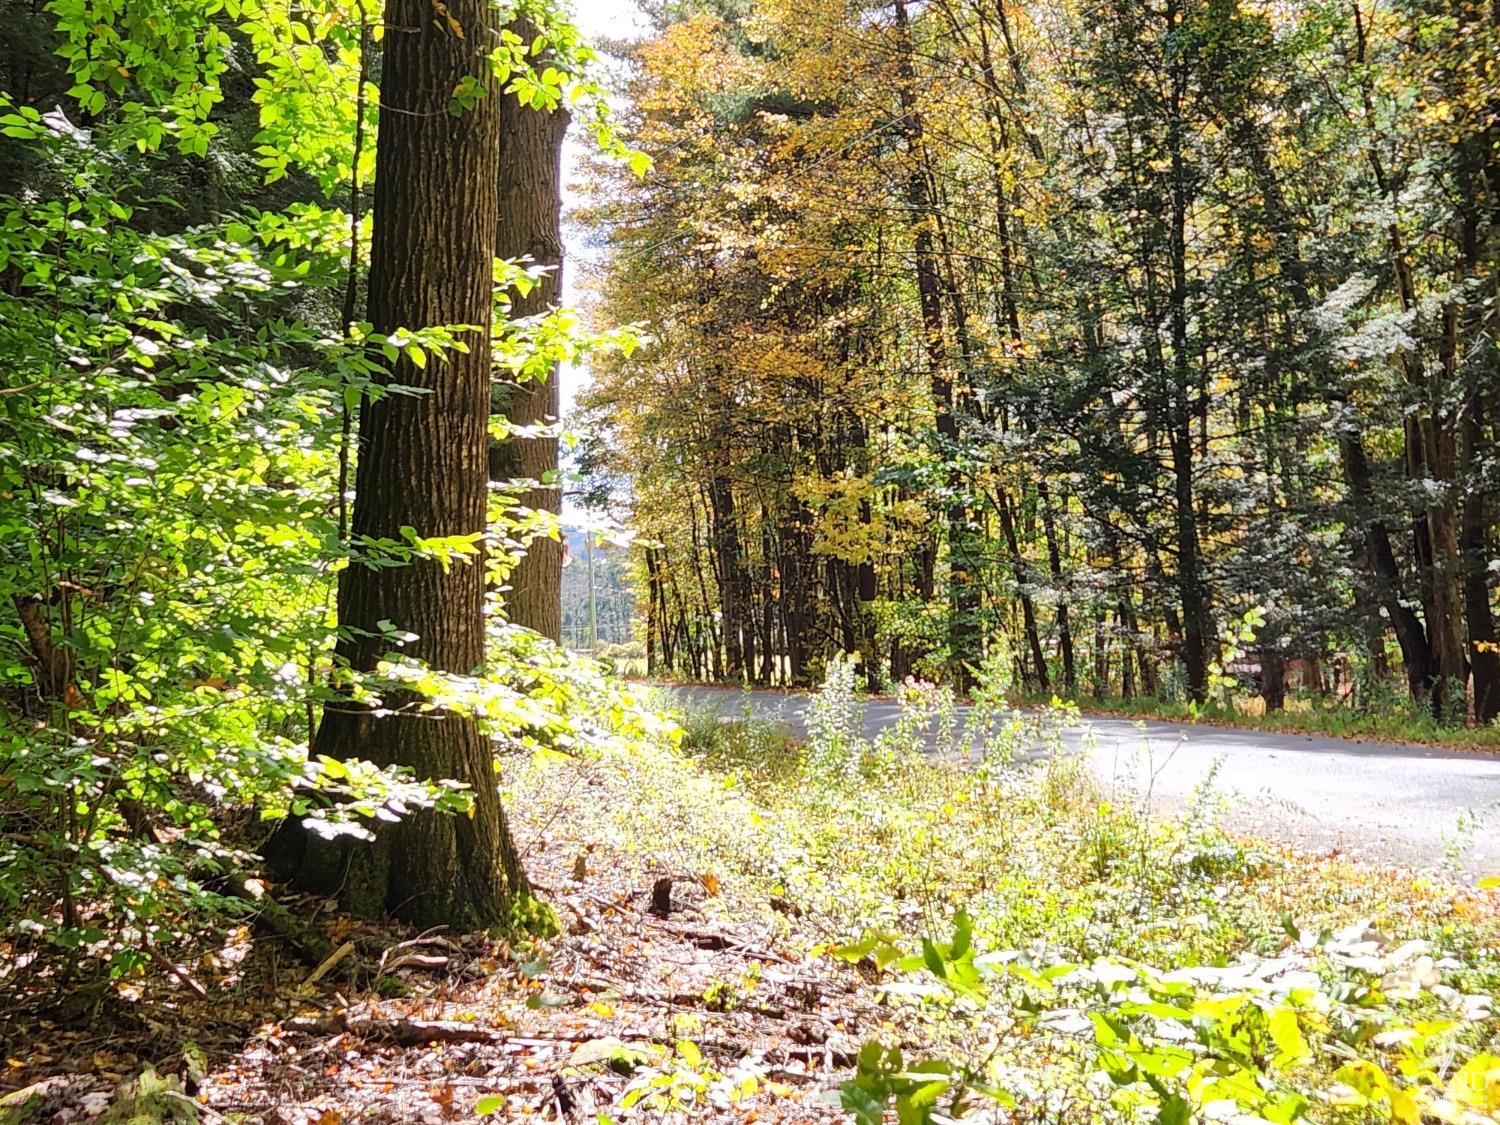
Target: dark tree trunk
(1273,679)
(1484,642)
(422,464)
(530,226)
(1054,562)
(1130,647)
(732,578)
(921,199)
(1040,679)
(1101,654)
(1416,653)
(1192,590)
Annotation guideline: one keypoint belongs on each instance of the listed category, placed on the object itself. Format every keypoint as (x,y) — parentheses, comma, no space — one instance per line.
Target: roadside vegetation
(837,930)
(307,815)
(1038,945)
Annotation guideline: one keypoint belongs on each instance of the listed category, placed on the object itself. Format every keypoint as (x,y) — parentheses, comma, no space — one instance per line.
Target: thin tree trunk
(1197,627)
(1054,562)
(1023,581)
(530,226)
(921,200)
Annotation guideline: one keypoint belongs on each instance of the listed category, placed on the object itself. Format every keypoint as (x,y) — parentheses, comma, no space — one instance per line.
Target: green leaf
(1286,1033)
(1174,1110)
(963,935)
(933,959)
(332,767)
(862,1104)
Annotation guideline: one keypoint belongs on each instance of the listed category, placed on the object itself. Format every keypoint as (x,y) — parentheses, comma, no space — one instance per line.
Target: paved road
(1371,800)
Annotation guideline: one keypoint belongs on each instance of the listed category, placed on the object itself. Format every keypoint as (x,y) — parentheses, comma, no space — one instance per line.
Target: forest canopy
(1139,347)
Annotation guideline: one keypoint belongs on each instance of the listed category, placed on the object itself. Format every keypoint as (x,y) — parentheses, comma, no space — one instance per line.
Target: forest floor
(687,1010)
(742,1001)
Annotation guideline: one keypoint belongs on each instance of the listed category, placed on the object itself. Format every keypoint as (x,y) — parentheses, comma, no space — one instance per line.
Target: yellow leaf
(1404,1108)
(455,28)
(1478,1083)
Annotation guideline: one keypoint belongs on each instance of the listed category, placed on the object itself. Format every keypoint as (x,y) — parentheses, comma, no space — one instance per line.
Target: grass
(855,927)
(873,852)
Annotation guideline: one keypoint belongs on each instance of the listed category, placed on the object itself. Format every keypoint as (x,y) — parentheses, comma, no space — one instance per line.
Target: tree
(1013,319)
(423,466)
(530,227)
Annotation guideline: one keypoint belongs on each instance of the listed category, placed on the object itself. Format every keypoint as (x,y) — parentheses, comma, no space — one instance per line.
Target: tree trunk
(731,575)
(1273,679)
(1023,584)
(530,226)
(1481,386)
(422,465)
(1054,562)
(921,199)
(1197,625)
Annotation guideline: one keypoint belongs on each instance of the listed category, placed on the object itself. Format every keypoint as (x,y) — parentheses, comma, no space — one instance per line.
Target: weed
(892,840)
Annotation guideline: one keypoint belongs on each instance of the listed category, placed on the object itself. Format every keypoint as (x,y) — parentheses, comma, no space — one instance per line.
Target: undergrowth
(1051,952)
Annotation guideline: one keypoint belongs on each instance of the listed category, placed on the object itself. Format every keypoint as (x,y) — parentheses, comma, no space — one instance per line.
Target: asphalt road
(1373,801)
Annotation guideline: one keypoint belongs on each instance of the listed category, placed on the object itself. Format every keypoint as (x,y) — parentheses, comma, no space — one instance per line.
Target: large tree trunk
(530,226)
(422,465)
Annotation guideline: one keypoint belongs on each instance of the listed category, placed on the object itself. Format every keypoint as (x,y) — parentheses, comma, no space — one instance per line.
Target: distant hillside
(614,598)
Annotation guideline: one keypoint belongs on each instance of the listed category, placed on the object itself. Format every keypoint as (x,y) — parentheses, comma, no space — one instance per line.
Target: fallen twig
(329,963)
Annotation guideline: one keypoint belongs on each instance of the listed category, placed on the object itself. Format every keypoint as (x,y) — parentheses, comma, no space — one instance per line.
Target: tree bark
(1197,624)
(422,465)
(530,226)
(1477,168)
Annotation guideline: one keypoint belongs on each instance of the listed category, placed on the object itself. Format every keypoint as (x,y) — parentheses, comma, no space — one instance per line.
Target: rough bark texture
(422,465)
(530,226)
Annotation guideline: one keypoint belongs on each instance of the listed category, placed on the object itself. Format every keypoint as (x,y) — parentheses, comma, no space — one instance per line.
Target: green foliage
(1038,943)
(836,743)
(1129,340)
(168,446)
(1340,1020)
(175,408)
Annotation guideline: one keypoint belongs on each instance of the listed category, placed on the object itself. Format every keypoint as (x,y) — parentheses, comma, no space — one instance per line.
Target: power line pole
(588,551)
